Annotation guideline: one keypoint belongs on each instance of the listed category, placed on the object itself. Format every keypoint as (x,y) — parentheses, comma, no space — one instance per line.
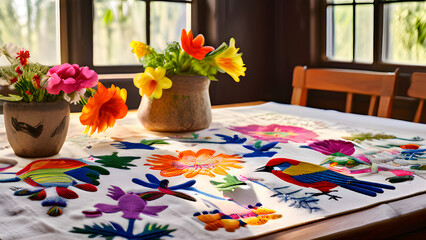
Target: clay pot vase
(36,129)
(182,108)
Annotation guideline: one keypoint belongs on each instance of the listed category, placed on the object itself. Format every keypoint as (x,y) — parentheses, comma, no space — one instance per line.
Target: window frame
(378,64)
(76,29)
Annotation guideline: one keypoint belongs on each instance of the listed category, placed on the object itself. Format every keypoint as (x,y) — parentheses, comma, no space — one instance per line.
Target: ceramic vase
(182,108)
(36,129)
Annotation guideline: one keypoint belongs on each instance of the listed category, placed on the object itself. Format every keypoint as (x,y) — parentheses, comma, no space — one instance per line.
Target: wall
(273,36)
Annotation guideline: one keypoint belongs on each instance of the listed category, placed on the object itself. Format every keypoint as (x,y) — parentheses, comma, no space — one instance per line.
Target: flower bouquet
(179,70)
(37,114)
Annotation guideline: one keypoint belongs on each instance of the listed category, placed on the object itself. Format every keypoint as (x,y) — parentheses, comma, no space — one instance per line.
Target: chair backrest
(375,84)
(418,90)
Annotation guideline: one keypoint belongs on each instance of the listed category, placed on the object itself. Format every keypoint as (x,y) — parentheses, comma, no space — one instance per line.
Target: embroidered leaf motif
(115,161)
(130,145)
(368,136)
(230,184)
(109,231)
(259,150)
(155,141)
(154,231)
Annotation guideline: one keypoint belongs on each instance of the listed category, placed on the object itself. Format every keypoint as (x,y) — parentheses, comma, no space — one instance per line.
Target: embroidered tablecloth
(254,171)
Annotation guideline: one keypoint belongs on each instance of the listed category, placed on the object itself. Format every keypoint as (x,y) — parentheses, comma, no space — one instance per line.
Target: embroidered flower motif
(23,56)
(140,49)
(190,164)
(152,82)
(70,78)
(254,215)
(130,204)
(102,110)
(194,46)
(230,61)
(277,133)
(330,147)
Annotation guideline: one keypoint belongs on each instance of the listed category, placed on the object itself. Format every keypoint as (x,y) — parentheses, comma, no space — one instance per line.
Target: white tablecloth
(111,185)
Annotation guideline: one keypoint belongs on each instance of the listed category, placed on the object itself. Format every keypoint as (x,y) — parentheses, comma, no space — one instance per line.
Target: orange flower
(191,164)
(104,108)
(194,47)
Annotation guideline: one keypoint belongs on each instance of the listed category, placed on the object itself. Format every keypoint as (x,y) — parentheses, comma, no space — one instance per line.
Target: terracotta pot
(36,129)
(184,107)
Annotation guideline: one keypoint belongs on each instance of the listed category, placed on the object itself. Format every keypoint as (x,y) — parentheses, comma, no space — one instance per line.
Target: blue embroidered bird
(314,176)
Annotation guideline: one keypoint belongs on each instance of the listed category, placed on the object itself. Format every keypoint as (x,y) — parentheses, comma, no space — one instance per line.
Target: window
(117,22)
(96,33)
(33,25)
(376,31)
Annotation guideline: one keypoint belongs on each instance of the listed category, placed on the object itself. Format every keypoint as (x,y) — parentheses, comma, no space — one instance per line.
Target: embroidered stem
(131,226)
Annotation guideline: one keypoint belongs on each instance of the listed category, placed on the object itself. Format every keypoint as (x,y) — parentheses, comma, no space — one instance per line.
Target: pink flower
(278,133)
(70,78)
(330,147)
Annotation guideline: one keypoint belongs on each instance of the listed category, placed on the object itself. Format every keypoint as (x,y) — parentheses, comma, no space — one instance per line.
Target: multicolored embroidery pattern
(132,206)
(191,164)
(59,174)
(314,176)
(255,215)
(279,133)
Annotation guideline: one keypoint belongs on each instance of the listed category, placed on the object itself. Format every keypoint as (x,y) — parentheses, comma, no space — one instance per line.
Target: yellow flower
(141,49)
(230,61)
(152,82)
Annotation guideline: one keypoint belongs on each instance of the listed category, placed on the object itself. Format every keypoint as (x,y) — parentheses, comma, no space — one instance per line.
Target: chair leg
(373,101)
(349,97)
(419,111)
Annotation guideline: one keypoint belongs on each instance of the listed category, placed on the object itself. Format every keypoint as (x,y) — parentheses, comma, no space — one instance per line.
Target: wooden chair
(375,84)
(418,90)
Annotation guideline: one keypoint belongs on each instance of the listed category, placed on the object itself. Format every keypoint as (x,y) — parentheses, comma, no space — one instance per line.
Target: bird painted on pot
(323,179)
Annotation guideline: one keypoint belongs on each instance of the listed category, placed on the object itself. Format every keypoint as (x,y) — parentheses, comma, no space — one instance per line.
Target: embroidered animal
(314,176)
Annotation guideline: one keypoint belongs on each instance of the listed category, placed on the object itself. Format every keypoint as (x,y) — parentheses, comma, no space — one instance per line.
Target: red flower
(13,80)
(23,56)
(18,71)
(28,92)
(194,47)
(36,79)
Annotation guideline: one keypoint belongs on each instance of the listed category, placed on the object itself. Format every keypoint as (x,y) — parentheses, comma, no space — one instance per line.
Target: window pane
(364,33)
(116,23)
(339,33)
(364,1)
(167,21)
(33,25)
(405,33)
(339,1)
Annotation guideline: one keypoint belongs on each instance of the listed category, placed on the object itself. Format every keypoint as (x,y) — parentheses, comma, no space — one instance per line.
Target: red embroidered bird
(314,176)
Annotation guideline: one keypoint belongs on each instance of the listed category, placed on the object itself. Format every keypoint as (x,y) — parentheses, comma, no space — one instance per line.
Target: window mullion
(378,32)
(147,21)
(353,30)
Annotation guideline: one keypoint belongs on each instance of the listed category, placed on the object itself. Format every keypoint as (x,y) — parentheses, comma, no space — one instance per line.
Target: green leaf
(230,184)
(108,17)
(115,161)
(151,142)
(11,97)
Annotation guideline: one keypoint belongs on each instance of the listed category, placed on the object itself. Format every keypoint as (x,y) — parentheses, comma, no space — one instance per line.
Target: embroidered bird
(314,176)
